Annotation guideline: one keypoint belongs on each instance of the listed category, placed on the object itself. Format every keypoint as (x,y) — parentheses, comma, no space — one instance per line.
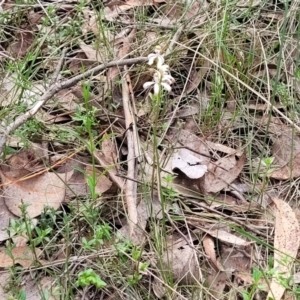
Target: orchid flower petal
(160,61)
(168,78)
(164,69)
(151,58)
(166,86)
(156,89)
(147,84)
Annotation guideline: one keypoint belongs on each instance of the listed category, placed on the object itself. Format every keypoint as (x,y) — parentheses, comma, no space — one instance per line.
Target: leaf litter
(35,191)
(221,148)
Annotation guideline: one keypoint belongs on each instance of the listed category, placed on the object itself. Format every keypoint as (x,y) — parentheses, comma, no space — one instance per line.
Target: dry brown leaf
(236,259)
(196,77)
(217,283)
(286,244)
(20,241)
(193,143)
(222,173)
(269,70)
(66,99)
(261,106)
(35,18)
(90,23)
(37,192)
(181,259)
(21,164)
(24,41)
(158,288)
(188,110)
(37,290)
(185,161)
(296,278)
(180,184)
(209,248)
(273,16)
(4,277)
(109,150)
(91,53)
(22,255)
(107,159)
(110,167)
(76,186)
(286,151)
(197,9)
(103,184)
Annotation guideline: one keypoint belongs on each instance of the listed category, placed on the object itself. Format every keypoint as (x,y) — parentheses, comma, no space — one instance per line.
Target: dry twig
(131,185)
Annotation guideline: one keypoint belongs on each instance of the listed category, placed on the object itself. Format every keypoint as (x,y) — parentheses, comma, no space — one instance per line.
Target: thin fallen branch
(136,139)
(55,88)
(131,186)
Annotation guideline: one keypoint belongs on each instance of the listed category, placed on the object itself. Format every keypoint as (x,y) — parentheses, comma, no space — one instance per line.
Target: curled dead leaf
(286,245)
(209,248)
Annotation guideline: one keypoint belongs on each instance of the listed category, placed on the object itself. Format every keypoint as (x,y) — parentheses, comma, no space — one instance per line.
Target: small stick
(131,186)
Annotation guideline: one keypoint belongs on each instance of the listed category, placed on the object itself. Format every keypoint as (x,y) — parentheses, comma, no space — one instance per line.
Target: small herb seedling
(89,277)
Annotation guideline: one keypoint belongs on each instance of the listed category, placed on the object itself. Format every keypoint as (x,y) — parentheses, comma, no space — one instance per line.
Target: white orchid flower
(164,69)
(156,83)
(156,56)
(168,79)
(161,77)
(160,80)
